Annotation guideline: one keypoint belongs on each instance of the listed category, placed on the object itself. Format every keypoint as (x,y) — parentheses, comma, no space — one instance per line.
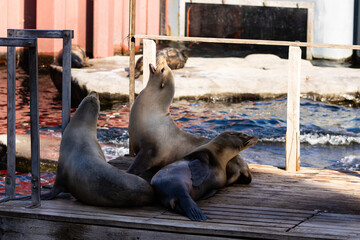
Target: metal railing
(28,38)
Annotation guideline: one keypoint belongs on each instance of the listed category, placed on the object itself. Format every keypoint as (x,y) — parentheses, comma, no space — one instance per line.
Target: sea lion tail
(190,209)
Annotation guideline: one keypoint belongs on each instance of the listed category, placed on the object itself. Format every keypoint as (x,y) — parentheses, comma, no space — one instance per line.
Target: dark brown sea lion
(155,138)
(175,59)
(78,57)
(203,171)
(83,170)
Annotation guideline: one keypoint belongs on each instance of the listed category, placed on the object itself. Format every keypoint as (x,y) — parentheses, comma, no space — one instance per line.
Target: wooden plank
(247,41)
(40,229)
(11,122)
(149,57)
(292,148)
(34,124)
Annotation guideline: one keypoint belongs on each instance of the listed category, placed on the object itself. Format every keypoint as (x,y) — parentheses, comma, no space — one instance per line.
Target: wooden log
(292,151)
(149,56)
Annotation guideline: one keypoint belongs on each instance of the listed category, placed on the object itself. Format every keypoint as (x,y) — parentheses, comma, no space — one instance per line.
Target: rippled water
(330,134)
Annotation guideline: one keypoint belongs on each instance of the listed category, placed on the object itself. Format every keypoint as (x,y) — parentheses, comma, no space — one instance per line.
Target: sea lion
(200,173)
(175,59)
(78,57)
(83,170)
(155,138)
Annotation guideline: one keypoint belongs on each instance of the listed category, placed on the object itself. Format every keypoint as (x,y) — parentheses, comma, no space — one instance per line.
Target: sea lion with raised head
(155,138)
(180,184)
(175,59)
(83,170)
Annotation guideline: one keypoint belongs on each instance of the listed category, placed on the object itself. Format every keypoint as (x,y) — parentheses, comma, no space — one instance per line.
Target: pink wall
(12,16)
(102,30)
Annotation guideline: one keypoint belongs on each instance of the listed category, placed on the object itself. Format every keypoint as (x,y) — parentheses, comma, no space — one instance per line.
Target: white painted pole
(292,158)
(149,56)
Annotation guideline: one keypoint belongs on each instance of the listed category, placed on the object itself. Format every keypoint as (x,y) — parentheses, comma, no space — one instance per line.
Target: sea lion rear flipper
(189,208)
(199,172)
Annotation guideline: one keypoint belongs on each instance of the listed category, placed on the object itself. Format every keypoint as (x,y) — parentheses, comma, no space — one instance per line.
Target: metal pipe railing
(11,44)
(28,38)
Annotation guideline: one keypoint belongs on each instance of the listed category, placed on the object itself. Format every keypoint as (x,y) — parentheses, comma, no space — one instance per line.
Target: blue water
(330,134)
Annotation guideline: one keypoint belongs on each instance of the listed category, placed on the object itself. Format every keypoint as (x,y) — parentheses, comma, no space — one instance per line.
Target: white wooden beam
(149,56)
(292,158)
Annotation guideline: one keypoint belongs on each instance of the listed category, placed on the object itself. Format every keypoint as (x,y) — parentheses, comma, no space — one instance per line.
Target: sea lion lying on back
(181,183)
(175,59)
(83,170)
(78,57)
(155,138)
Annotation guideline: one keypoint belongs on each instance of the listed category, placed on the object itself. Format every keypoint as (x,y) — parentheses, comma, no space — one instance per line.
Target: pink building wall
(100,26)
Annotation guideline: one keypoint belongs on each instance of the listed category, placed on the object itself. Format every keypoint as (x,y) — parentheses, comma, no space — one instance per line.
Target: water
(330,134)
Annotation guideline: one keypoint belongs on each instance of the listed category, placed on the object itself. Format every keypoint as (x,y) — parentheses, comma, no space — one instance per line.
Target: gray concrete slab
(259,75)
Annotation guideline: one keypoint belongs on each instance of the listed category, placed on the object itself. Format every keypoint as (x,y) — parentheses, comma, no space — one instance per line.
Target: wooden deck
(311,204)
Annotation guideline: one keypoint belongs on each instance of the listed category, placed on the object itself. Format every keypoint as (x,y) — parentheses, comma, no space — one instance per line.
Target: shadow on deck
(310,204)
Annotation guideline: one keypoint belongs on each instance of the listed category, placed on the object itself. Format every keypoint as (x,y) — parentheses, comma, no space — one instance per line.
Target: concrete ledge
(255,77)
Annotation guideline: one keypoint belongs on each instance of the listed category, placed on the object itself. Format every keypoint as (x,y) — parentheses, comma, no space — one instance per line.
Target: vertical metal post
(34,120)
(11,138)
(66,79)
(292,150)
(132,58)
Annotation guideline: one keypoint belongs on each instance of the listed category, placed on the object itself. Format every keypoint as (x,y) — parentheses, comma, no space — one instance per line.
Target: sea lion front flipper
(189,208)
(208,194)
(238,171)
(199,172)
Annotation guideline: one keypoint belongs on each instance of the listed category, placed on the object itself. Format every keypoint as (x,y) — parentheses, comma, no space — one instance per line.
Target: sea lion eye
(162,70)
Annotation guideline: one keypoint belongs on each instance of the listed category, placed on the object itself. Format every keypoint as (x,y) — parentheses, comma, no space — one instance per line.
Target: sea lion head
(161,84)
(161,76)
(224,147)
(88,111)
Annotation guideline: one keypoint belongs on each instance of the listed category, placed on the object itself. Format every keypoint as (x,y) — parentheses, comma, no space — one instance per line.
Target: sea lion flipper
(189,208)
(208,194)
(199,172)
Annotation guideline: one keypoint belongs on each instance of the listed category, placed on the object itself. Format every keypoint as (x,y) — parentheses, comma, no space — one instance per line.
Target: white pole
(292,158)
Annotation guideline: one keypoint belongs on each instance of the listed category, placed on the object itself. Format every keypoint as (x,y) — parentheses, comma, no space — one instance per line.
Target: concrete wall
(100,26)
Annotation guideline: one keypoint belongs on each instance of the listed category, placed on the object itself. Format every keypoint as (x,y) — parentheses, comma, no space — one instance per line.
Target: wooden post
(131,60)
(149,56)
(292,150)
(310,31)
(34,120)
(11,137)
(132,53)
